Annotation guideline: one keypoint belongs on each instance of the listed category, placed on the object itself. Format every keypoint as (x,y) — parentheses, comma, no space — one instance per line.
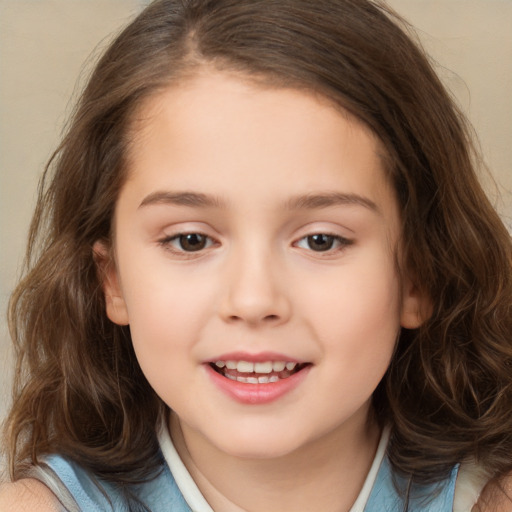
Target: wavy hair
(447,395)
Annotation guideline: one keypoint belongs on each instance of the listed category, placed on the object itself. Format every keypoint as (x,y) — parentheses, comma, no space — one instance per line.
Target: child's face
(258,225)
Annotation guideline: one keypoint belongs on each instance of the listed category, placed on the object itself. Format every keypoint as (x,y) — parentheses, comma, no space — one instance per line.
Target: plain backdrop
(45,49)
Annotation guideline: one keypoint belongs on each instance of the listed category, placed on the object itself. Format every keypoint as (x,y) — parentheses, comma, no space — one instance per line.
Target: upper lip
(259,357)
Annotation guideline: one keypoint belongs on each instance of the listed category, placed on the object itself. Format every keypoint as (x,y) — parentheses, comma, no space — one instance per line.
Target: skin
(258,285)
(27,495)
(496,496)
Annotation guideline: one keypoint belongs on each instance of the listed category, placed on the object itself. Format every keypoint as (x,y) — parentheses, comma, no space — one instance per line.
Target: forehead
(223,133)
(204,89)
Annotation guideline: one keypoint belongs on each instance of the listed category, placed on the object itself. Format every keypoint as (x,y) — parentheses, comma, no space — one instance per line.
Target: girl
(263,276)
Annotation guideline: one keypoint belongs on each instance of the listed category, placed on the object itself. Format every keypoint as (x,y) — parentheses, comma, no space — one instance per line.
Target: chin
(259,446)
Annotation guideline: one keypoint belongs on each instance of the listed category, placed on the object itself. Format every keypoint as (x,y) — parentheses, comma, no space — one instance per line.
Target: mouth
(264,372)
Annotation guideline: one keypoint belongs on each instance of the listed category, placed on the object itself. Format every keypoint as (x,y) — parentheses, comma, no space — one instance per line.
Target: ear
(115,304)
(416,306)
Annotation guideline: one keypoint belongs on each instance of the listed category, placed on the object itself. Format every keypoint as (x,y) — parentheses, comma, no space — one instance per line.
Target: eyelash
(167,243)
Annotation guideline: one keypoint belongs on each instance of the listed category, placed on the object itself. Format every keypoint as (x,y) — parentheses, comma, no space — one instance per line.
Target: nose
(255,291)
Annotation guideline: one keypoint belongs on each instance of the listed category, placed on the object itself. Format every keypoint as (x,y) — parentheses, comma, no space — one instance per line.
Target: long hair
(446,396)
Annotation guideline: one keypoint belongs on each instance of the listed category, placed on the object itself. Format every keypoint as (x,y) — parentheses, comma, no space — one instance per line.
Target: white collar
(198,503)
(195,500)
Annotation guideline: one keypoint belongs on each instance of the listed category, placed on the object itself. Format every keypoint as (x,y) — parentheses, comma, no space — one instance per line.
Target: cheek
(364,296)
(357,321)
(167,312)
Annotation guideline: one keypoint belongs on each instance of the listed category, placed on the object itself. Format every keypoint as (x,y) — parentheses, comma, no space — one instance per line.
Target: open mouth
(257,373)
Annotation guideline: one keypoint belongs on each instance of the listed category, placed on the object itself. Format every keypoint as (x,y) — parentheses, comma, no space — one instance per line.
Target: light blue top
(163,495)
(159,495)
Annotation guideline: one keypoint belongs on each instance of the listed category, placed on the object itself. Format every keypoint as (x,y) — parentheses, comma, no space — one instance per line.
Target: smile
(264,372)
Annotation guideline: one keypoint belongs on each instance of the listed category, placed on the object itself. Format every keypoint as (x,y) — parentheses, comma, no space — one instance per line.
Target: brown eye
(320,242)
(185,244)
(191,242)
(323,242)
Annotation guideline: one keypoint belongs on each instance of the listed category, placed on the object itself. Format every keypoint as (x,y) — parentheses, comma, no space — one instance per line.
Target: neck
(329,473)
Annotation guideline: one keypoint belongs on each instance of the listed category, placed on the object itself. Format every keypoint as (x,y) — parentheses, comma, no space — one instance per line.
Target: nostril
(267,317)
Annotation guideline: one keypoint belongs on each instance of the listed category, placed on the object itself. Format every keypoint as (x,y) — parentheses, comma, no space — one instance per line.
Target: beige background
(44,44)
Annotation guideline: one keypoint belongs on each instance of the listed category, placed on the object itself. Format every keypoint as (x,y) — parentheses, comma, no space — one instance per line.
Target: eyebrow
(301,202)
(192,199)
(318,201)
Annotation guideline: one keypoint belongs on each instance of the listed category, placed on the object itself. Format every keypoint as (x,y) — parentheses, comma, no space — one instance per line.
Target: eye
(322,242)
(187,242)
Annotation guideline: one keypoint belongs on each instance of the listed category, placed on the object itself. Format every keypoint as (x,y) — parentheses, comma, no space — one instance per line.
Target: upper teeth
(262,367)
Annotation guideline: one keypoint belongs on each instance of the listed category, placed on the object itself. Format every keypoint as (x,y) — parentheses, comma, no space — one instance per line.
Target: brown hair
(448,392)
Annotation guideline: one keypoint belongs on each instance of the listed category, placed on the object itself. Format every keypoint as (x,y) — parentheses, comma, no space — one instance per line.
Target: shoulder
(496,496)
(27,495)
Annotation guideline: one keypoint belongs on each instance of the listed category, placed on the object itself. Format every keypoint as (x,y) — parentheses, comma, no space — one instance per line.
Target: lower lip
(256,394)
